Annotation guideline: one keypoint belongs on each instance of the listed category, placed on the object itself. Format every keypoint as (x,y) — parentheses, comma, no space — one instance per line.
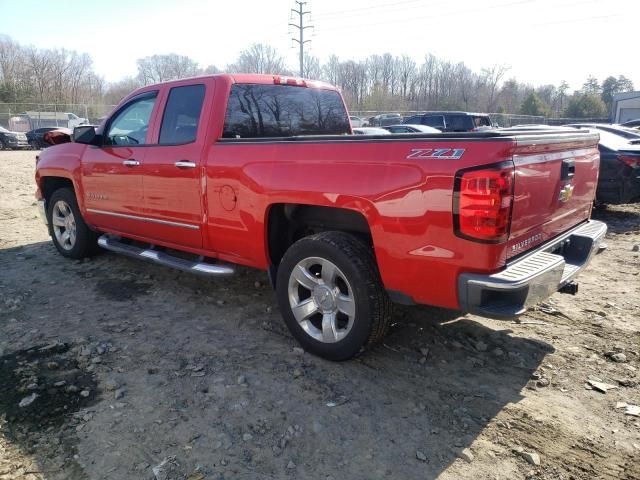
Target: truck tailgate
(555,183)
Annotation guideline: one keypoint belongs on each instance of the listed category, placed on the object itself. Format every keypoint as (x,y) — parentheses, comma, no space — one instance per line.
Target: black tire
(356,263)
(34,145)
(2,145)
(86,240)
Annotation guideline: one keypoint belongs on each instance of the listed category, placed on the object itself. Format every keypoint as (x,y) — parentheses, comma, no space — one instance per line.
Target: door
(173,171)
(112,172)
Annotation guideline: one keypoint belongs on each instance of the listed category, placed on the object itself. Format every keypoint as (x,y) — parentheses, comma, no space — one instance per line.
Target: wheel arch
(288,222)
(49,184)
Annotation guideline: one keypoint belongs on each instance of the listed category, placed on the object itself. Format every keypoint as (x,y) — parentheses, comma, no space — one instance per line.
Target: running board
(210,270)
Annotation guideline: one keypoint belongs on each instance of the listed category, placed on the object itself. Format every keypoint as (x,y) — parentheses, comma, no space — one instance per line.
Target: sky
(542,41)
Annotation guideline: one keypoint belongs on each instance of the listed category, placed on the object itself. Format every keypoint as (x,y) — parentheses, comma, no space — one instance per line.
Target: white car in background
(370,131)
(357,122)
(406,128)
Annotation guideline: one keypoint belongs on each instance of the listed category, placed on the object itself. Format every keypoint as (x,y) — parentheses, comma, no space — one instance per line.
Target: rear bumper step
(201,268)
(533,278)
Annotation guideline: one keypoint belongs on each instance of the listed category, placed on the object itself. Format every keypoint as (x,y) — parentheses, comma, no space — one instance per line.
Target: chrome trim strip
(584,140)
(522,159)
(144,219)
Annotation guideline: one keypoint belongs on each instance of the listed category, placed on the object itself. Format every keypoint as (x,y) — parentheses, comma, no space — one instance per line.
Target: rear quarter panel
(407,203)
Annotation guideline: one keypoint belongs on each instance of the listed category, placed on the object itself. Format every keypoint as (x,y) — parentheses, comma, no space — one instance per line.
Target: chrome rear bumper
(534,277)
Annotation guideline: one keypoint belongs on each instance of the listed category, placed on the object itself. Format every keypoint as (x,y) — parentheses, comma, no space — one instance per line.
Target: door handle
(131,163)
(568,169)
(185,164)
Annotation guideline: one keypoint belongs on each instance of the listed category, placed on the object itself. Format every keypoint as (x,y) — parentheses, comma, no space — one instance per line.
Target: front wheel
(71,236)
(331,296)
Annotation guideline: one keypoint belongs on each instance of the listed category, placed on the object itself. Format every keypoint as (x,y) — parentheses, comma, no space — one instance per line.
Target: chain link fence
(22,117)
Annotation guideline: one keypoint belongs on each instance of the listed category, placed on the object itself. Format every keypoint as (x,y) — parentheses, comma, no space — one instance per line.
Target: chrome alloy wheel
(64,225)
(321,299)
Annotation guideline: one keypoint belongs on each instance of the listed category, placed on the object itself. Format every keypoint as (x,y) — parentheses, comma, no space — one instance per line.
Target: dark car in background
(385,119)
(452,121)
(619,180)
(632,123)
(35,137)
(12,140)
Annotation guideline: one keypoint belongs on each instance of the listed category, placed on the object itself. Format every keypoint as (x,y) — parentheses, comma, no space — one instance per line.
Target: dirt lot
(116,369)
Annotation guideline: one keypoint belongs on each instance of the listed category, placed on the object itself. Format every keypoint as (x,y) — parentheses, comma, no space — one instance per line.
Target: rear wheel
(331,296)
(71,236)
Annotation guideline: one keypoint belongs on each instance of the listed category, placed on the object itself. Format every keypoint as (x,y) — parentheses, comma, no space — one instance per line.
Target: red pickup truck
(262,170)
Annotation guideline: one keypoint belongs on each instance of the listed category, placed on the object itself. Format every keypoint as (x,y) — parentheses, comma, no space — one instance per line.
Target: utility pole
(301,27)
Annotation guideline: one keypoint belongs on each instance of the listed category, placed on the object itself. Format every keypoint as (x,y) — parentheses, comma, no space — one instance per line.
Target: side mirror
(85,134)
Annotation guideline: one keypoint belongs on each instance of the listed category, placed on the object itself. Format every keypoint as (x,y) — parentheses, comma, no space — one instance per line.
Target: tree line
(378,83)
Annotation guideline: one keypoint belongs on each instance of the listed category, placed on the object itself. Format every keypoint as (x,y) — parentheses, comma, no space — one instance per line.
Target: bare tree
(311,67)
(259,58)
(330,70)
(491,78)
(162,68)
(406,72)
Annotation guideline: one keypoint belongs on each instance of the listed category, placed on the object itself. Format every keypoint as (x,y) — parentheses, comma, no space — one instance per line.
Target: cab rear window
(258,111)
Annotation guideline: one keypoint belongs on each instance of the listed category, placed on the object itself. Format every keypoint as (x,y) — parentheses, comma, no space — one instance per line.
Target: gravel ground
(115,369)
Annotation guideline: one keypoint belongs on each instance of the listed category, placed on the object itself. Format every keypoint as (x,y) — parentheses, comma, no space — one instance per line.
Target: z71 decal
(436,153)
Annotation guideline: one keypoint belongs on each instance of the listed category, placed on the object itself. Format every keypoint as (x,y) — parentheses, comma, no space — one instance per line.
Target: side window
(130,125)
(436,121)
(459,123)
(181,115)
(482,121)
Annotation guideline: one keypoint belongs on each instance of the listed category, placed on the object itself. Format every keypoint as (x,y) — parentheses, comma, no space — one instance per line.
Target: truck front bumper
(534,277)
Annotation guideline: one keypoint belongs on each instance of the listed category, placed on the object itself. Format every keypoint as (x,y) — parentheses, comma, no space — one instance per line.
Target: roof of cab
(255,78)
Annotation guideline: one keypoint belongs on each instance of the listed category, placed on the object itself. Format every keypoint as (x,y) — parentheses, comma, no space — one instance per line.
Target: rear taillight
(482,201)
(632,161)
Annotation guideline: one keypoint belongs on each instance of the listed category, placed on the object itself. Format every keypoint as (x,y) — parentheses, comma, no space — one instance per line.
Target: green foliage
(585,105)
(612,85)
(533,105)
(591,86)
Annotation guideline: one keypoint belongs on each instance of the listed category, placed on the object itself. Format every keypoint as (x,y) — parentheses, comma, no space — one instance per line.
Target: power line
(341,13)
(301,28)
(433,15)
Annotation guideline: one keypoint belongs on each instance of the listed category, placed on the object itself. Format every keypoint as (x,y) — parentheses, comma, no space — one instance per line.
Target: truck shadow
(407,409)
(619,218)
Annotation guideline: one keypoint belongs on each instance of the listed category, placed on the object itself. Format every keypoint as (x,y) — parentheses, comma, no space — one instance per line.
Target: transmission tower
(301,28)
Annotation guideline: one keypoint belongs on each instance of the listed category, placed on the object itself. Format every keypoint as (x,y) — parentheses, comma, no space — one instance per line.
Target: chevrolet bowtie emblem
(566,192)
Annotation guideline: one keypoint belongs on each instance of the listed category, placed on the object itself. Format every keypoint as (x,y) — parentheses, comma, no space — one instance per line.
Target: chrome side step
(201,268)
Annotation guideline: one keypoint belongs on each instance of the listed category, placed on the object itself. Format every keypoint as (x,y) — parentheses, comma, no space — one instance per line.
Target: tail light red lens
(293,81)
(482,203)
(631,160)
